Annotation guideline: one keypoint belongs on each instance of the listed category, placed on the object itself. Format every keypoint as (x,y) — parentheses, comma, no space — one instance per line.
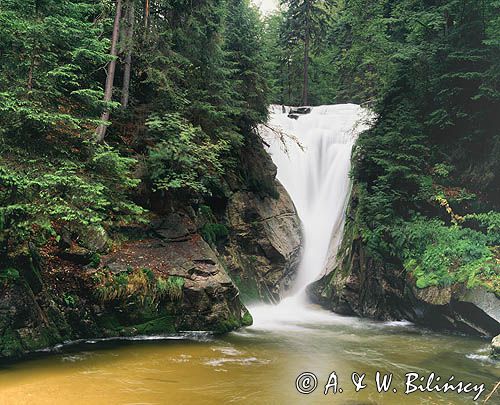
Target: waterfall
(312,153)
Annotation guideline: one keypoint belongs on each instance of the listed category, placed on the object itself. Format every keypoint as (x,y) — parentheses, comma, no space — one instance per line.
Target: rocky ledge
(170,283)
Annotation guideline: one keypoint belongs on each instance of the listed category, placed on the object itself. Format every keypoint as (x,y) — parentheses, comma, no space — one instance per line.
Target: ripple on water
(245,361)
(227,350)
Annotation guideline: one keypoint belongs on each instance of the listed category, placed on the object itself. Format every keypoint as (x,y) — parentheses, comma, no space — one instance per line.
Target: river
(256,365)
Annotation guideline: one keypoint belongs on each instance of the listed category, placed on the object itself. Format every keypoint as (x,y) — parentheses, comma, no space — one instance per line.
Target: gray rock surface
(495,347)
(265,243)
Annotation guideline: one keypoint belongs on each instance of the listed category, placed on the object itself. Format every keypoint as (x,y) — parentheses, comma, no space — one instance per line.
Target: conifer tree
(307,22)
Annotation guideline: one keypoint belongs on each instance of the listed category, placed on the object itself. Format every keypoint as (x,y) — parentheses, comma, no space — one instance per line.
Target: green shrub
(69,300)
(184,158)
(442,255)
(171,287)
(9,275)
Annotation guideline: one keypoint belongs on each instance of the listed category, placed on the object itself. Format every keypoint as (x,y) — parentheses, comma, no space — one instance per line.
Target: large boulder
(210,301)
(264,248)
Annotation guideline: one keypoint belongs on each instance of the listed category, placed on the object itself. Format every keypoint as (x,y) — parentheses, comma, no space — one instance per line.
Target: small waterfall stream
(313,161)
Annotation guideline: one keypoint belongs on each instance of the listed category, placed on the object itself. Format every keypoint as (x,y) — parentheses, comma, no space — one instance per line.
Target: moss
(113,326)
(213,233)
(227,325)
(249,291)
(262,185)
(9,276)
(10,344)
(14,345)
(95,260)
(164,324)
(109,322)
(246,319)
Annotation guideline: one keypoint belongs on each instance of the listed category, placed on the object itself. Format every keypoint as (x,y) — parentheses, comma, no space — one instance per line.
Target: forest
(109,107)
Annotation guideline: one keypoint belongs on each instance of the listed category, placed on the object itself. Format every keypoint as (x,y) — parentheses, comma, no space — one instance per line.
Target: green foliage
(40,197)
(490,223)
(442,169)
(141,285)
(247,64)
(442,255)
(433,151)
(214,233)
(9,275)
(197,89)
(172,287)
(69,300)
(184,157)
(51,172)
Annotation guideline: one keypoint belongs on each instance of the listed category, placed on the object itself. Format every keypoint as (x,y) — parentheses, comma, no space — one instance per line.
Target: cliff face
(263,249)
(357,284)
(164,277)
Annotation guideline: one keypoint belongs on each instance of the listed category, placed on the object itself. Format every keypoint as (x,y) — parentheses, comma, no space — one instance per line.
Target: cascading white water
(313,161)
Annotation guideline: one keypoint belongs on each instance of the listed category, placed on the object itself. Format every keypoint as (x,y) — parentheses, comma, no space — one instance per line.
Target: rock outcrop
(359,285)
(263,253)
(495,348)
(264,241)
(167,284)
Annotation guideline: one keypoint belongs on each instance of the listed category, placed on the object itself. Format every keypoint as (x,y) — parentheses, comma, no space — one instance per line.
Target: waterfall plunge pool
(257,365)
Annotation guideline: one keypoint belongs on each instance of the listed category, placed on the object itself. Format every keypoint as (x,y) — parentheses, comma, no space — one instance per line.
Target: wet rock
(300,110)
(264,239)
(433,295)
(265,243)
(495,348)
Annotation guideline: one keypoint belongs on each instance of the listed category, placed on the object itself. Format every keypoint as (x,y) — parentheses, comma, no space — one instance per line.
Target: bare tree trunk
(128,58)
(146,16)
(305,88)
(108,91)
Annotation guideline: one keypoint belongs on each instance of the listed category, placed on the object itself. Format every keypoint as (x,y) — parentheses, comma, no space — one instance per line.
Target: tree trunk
(128,58)
(305,88)
(146,16)
(108,91)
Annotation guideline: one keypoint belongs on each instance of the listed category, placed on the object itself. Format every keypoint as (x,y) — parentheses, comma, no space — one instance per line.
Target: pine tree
(307,22)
